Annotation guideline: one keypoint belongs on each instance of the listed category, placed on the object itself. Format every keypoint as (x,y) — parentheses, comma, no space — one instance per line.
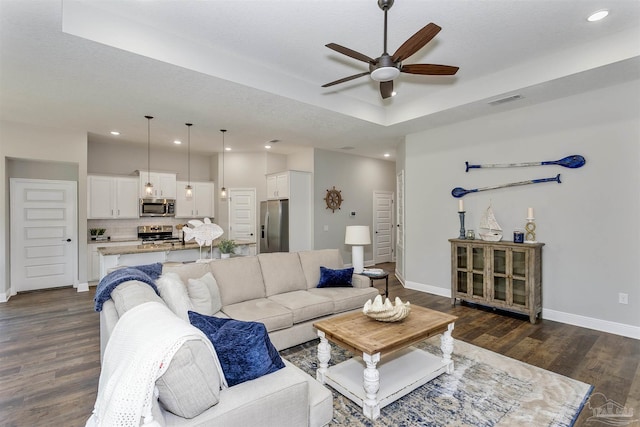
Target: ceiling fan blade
(430,69)
(386,89)
(351,53)
(346,79)
(416,42)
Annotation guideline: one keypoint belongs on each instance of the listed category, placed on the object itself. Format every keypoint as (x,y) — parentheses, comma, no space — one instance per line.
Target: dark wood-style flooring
(50,353)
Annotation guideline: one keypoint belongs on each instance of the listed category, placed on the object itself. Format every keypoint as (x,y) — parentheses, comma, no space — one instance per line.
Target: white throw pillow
(174,293)
(205,295)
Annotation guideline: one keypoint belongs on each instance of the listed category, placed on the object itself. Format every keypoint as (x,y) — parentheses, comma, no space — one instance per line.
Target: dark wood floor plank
(50,352)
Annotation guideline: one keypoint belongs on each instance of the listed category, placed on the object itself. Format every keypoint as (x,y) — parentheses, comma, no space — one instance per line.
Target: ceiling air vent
(505,99)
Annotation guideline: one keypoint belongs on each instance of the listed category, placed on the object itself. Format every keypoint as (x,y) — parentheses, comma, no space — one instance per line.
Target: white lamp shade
(357,235)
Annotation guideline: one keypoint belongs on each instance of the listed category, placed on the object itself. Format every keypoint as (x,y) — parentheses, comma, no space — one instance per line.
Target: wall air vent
(505,99)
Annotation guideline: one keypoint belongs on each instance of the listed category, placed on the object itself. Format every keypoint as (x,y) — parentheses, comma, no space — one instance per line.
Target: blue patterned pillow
(335,278)
(244,348)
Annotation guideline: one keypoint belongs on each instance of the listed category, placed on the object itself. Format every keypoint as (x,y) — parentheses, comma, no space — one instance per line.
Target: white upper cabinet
(201,203)
(164,184)
(278,186)
(112,197)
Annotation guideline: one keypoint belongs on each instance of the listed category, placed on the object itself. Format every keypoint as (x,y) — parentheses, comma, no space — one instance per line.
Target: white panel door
(382,226)
(242,214)
(43,234)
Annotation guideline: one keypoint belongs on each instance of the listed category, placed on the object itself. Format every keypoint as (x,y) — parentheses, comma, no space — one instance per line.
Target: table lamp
(357,235)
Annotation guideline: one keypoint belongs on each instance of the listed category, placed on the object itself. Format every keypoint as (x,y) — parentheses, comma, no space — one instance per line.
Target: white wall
(125,159)
(20,141)
(357,177)
(589,223)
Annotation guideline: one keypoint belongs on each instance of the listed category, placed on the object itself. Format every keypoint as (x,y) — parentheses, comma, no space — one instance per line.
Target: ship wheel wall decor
(333,199)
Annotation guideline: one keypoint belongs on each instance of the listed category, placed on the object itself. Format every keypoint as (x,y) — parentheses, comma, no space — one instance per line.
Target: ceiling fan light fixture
(384,74)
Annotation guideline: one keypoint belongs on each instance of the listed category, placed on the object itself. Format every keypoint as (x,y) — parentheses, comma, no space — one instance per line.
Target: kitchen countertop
(162,247)
(115,240)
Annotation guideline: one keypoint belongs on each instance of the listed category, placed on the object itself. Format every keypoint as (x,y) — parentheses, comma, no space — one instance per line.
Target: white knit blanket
(139,351)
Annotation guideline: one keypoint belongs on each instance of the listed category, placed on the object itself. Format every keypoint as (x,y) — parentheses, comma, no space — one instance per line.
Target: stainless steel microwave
(157,207)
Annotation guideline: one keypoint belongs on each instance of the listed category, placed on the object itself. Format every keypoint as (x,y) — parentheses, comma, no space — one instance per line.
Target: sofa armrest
(360,281)
(277,399)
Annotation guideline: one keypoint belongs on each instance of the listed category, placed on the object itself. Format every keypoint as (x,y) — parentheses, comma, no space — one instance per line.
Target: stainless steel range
(156,234)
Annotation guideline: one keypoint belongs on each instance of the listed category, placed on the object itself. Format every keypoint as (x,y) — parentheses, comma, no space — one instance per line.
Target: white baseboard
(592,323)
(557,316)
(83,287)
(434,290)
(4,297)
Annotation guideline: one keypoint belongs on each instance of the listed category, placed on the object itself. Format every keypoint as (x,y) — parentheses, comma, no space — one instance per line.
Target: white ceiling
(256,67)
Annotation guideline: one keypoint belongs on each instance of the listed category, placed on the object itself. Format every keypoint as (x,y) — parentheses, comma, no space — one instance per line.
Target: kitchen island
(131,255)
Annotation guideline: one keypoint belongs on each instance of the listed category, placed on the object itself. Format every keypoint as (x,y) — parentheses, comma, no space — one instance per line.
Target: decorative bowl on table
(386,312)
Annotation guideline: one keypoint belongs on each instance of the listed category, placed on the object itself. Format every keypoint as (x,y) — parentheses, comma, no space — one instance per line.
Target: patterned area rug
(486,389)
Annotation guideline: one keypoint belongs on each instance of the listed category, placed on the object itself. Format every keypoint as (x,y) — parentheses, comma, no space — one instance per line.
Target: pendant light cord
(189,152)
(148,147)
(223,148)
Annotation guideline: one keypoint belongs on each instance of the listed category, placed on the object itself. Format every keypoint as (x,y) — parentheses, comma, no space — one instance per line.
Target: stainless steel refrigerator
(274,226)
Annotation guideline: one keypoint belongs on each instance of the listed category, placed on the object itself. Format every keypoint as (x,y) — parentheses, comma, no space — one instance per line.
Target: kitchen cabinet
(502,275)
(164,184)
(112,197)
(93,261)
(278,186)
(201,205)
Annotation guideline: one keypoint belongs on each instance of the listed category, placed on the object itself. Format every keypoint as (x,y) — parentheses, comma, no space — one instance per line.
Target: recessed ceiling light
(267,146)
(394,93)
(177,142)
(228,148)
(596,16)
(115,132)
(387,154)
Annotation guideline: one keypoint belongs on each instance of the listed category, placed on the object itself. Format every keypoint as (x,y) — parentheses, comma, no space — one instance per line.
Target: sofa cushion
(239,279)
(174,294)
(244,349)
(282,272)
(129,294)
(304,305)
(312,260)
(273,315)
(339,278)
(204,294)
(345,299)
(186,271)
(191,383)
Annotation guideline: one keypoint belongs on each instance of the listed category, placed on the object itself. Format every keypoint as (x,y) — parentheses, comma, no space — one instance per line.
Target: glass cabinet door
(461,254)
(519,274)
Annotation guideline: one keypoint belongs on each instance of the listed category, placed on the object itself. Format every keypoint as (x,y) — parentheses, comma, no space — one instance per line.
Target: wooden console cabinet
(503,275)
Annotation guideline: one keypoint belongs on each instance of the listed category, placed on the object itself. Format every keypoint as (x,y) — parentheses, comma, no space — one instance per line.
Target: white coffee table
(386,352)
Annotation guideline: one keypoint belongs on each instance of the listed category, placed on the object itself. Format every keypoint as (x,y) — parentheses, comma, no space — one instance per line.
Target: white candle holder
(530,231)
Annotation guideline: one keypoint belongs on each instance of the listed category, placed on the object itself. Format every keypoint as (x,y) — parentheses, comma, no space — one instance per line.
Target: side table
(378,276)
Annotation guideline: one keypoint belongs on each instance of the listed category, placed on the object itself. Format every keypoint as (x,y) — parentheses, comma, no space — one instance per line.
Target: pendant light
(188,190)
(148,187)
(223,190)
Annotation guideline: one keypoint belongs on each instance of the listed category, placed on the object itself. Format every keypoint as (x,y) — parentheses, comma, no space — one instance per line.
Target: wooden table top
(361,334)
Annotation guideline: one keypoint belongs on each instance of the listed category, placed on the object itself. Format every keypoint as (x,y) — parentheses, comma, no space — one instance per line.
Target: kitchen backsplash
(128,228)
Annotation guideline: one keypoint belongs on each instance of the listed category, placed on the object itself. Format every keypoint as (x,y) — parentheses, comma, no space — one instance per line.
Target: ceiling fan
(387,67)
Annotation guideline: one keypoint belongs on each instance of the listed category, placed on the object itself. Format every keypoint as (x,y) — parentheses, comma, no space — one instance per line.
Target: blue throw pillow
(244,348)
(335,278)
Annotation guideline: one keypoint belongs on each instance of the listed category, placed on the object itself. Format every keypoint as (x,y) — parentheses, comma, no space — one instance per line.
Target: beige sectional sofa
(277,289)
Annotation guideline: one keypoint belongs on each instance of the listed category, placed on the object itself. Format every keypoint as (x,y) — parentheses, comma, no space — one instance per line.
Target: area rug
(486,389)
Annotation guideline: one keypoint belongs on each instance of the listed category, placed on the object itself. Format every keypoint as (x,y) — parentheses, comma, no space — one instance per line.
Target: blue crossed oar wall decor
(573,162)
